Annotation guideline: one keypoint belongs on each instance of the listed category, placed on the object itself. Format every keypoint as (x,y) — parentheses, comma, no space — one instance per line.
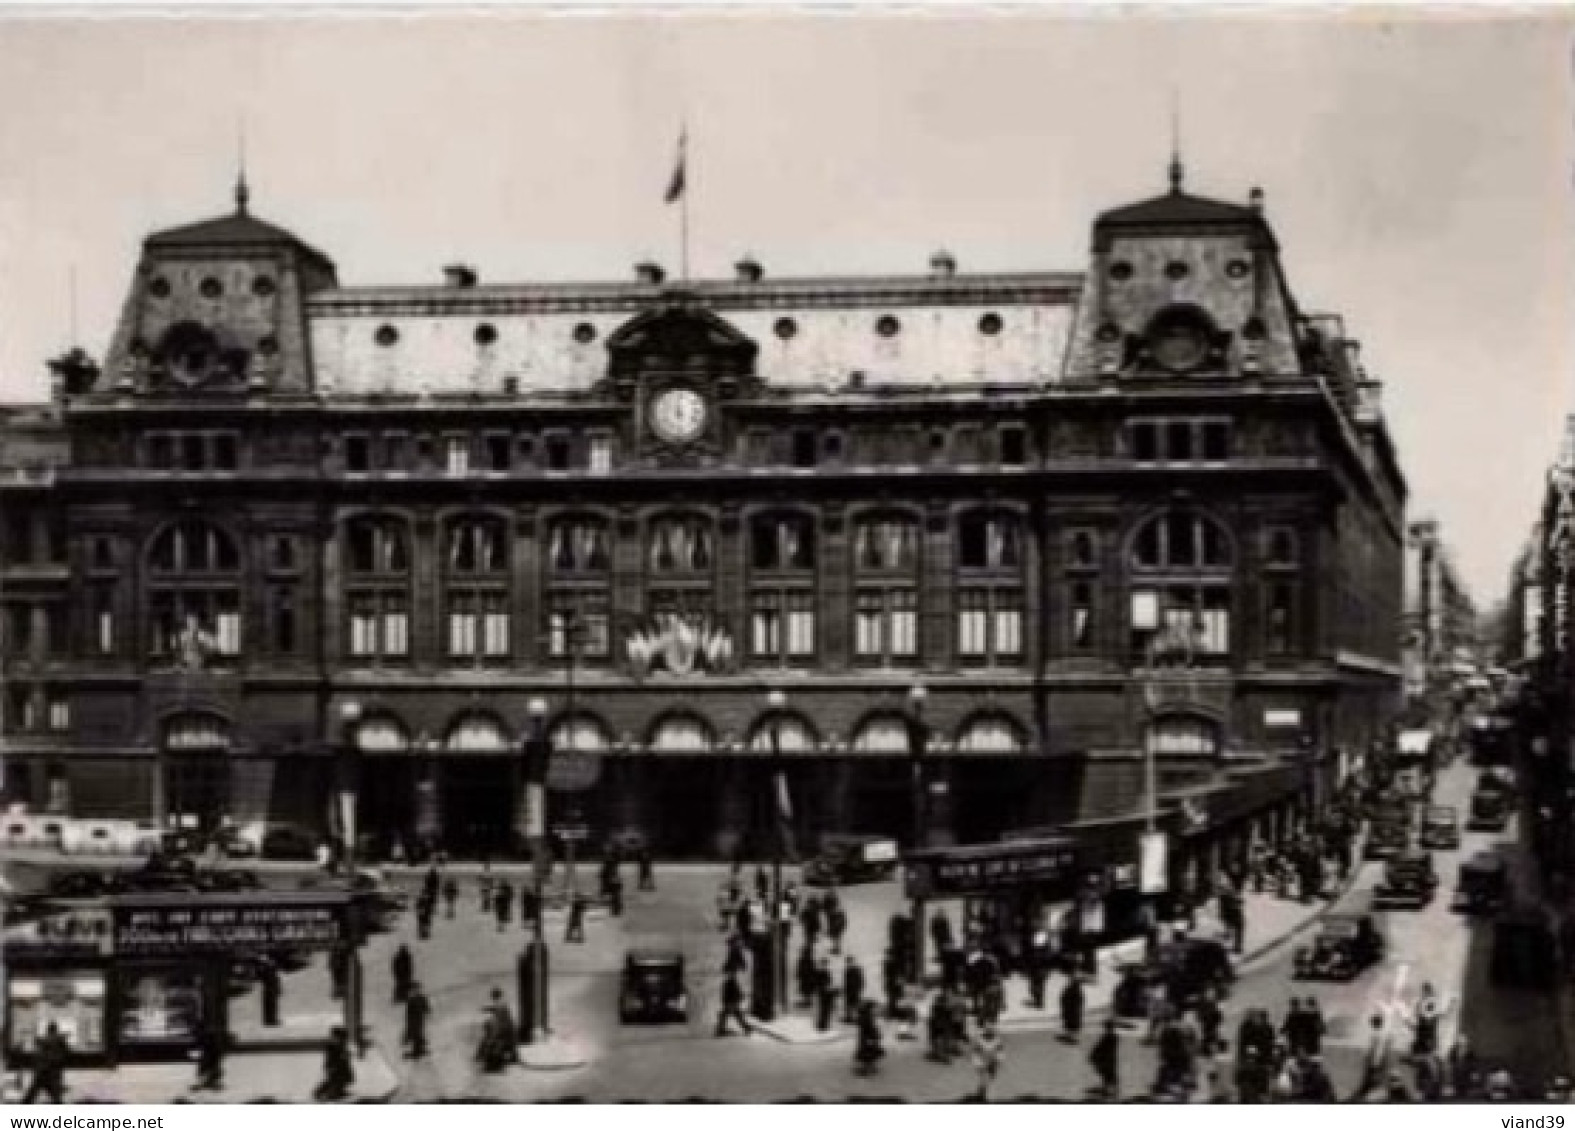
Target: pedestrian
(338,972)
(762,883)
(941,935)
(503,903)
(732,1006)
(268,976)
(836,924)
(450,895)
(1461,1071)
(574,931)
(825,995)
(988,1053)
(1105,1058)
(615,895)
(403,969)
(1294,1028)
(736,960)
(424,912)
(1210,1018)
(1425,1022)
(500,1042)
(646,869)
(1072,1009)
(852,990)
(812,920)
(868,1052)
(1429,1072)
(338,1071)
(210,1058)
(804,971)
(484,892)
(891,981)
(418,1009)
(1233,918)
(1317,1087)
(1317,1026)
(1376,1061)
(429,885)
(530,906)
(1037,966)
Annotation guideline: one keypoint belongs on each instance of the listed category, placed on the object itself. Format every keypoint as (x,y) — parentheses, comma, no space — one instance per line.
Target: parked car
(1344,946)
(1489,810)
(852,860)
(286,842)
(1483,886)
(1440,827)
(1409,881)
(653,988)
(1386,839)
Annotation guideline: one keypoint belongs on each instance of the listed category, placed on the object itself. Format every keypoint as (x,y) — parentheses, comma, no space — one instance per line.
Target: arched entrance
(196,754)
(478,786)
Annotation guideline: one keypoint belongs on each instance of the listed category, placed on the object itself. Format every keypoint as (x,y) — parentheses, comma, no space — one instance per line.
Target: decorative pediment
(680,336)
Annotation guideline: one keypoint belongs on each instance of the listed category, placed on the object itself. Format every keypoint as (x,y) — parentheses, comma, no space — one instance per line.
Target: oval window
(990,324)
(210,288)
(486,334)
(786,328)
(1176,270)
(386,336)
(159,288)
(887,326)
(1121,270)
(263,287)
(585,333)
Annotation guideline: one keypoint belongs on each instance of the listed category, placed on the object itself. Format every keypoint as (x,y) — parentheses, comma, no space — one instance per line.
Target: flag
(675,187)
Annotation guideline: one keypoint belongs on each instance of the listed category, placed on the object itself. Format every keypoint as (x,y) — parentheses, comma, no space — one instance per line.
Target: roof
(1177,207)
(238,229)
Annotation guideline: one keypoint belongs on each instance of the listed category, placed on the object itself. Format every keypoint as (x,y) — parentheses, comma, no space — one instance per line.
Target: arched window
(782,589)
(792,735)
(1183,735)
(682,734)
(195,731)
(1182,571)
(583,733)
(194,600)
(382,734)
(682,544)
(884,734)
(1280,587)
(377,595)
(476,589)
(680,560)
(886,601)
(990,588)
(477,734)
(991,734)
(579,574)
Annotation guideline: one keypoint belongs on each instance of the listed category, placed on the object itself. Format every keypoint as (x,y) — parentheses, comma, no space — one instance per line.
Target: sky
(1417,171)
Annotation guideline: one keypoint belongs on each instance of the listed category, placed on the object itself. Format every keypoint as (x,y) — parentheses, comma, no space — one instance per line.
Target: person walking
(732,1006)
(836,922)
(1233,918)
(338,972)
(891,981)
(615,894)
(646,869)
(210,1058)
(804,972)
(425,909)
(503,903)
(825,995)
(868,1052)
(338,1071)
(988,1054)
(403,969)
(268,977)
(1377,1060)
(1105,1058)
(418,1010)
(450,896)
(1210,1018)
(1425,1022)
(852,990)
(574,930)
(1072,1009)
(484,892)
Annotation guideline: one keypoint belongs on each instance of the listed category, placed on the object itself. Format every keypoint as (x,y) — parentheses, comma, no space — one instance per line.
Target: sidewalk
(273,1077)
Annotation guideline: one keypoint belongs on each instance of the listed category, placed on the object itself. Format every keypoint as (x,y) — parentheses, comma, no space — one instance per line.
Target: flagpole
(683,207)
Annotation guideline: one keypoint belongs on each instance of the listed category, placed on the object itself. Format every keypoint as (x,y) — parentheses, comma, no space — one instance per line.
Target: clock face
(678,415)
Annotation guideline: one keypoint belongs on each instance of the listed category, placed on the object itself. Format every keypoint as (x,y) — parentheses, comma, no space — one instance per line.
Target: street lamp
(349,801)
(776,701)
(535,752)
(918,739)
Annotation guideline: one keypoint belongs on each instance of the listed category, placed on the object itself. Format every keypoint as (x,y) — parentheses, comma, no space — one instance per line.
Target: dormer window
(1180,339)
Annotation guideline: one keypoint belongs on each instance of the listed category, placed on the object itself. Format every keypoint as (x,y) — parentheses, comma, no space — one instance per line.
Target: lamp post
(918,740)
(535,751)
(349,800)
(776,700)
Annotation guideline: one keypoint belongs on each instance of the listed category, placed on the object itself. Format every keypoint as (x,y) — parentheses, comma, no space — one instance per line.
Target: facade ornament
(679,645)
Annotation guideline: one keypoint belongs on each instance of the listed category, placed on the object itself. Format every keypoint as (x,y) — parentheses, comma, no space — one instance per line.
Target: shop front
(141,977)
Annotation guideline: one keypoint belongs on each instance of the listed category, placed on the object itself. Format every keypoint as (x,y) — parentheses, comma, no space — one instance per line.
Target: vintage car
(1440,827)
(1385,839)
(653,988)
(1409,881)
(1490,809)
(1344,946)
(1186,968)
(852,860)
(1483,886)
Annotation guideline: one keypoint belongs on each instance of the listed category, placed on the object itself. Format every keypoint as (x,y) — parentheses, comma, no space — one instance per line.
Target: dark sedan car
(653,988)
(1440,827)
(1409,882)
(1344,946)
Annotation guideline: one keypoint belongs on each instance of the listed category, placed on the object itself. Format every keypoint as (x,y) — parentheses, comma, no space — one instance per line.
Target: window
(396,451)
(1082,554)
(557,453)
(1278,619)
(1081,630)
(160,454)
(601,454)
(782,626)
(58,709)
(1145,442)
(578,619)
(1181,540)
(1014,447)
(989,626)
(18,637)
(377,588)
(281,553)
(499,451)
(378,546)
(1216,441)
(785,542)
(1181,611)
(804,444)
(192,456)
(101,555)
(886,566)
(782,588)
(680,545)
(578,545)
(21,711)
(886,544)
(57,639)
(1281,549)
(103,622)
(476,587)
(283,622)
(357,457)
(1180,441)
(224,452)
(194,596)
(833,446)
(456,457)
(989,541)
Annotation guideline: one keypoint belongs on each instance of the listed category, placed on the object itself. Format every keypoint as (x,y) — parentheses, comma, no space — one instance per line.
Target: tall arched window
(782,588)
(579,577)
(476,588)
(680,556)
(990,588)
(377,588)
(886,601)
(1182,569)
(194,595)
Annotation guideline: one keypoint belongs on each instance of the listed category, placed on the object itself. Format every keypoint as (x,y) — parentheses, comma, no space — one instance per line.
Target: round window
(585,333)
(887,326)
(210,288)
(159,287)
(386,336)
(1179,345)
(1237,269)
(990,324)
(486,334)
(268,345)
(1121,270)
(1176,269)
(263,286)
(786,328)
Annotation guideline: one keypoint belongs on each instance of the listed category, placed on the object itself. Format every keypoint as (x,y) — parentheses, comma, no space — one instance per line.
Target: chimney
(748,270)
(459,276)
(651,274)
(1255,200)
(943,265)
